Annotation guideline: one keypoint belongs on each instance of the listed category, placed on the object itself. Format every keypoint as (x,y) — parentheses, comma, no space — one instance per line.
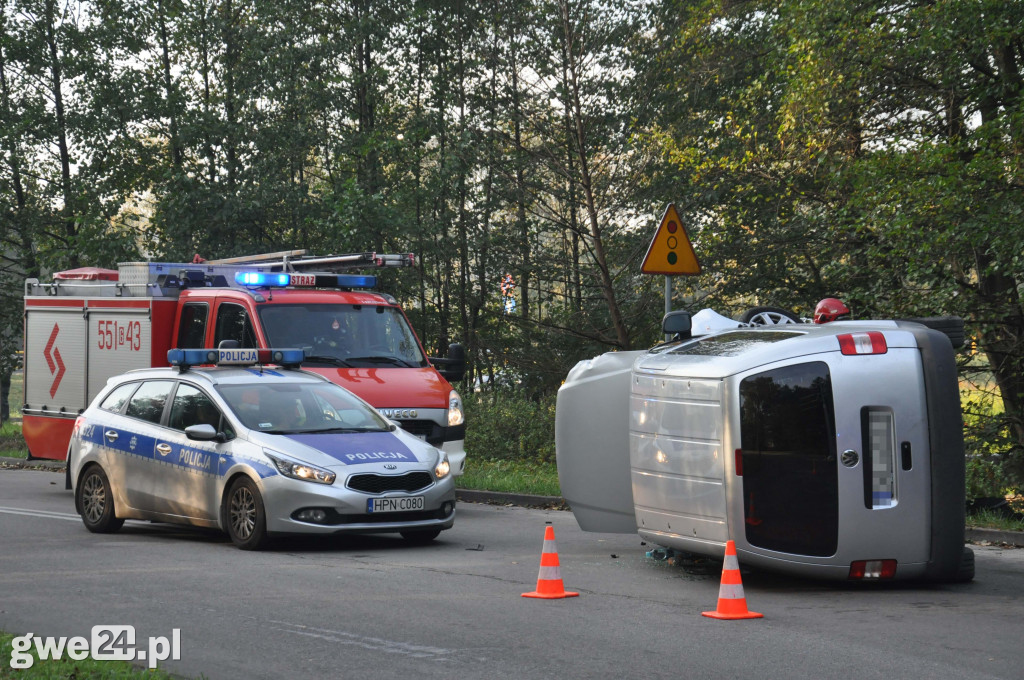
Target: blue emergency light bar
(277,280)
(183,358)
(261,279)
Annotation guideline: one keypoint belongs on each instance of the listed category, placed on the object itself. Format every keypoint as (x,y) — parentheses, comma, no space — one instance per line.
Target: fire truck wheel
(768,316)
(421,537)
(246,519)
(96,502)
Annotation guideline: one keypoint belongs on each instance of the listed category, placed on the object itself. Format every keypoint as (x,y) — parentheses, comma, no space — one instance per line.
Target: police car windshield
(357,336)
(289,408)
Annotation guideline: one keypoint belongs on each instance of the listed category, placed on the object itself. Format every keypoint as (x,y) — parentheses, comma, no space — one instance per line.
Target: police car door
(185,483)
(131,439)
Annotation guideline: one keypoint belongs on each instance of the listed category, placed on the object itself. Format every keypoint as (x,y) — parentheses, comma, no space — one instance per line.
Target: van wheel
(952,326)
(965,572)
(420,537)
(768,316)
(95,502)
(246,519)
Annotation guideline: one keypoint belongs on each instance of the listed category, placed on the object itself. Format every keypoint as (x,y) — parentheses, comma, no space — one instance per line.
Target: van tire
(768,316)
(952,326)
(965,572)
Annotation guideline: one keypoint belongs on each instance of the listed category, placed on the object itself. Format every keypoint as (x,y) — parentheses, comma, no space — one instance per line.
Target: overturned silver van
(832,451)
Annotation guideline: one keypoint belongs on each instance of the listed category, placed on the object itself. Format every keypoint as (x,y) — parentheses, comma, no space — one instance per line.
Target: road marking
(41,513)
(371,643)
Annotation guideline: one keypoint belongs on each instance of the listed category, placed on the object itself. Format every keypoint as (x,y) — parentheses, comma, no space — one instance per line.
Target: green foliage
(12,444)
(505,425)
(985,478)
(511,476)
(867,150)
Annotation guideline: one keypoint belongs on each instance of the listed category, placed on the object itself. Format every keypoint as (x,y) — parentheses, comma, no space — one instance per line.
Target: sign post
(670,253)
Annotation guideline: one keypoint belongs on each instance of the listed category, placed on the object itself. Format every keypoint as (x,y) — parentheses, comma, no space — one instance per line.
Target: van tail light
(739,462)
(872,570)
(871,342)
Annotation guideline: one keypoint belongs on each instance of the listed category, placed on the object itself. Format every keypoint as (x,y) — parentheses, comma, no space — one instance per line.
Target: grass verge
(989,519)
(12,445)
(69,668)
(508,476)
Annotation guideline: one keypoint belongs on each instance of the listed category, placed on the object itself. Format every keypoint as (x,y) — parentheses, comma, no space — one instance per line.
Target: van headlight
(299,470)
(443,467)
(455,413)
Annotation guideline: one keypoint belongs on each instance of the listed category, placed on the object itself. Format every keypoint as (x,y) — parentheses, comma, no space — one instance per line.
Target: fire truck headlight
(455,413)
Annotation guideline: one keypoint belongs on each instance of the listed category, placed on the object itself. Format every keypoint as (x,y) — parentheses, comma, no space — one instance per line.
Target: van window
(788,460)
(192,327)
(233,323)
(148,401)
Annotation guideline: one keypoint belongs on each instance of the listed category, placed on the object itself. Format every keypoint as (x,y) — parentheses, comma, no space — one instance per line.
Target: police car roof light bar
(184,358)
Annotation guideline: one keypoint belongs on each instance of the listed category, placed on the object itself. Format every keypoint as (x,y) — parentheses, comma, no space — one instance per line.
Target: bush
(985,478)
(505,425)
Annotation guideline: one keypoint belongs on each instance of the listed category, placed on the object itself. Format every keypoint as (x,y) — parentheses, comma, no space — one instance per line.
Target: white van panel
(592,443)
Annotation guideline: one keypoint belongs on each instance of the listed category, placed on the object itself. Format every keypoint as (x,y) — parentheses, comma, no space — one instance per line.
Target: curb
(971,534)
(35,464)
(502,498)
(977,535)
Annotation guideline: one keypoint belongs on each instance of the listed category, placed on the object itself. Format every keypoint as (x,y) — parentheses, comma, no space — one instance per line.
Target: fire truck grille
(412,481)
(420,428)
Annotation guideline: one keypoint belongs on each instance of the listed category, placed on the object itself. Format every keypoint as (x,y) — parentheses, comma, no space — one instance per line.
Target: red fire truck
(90,324)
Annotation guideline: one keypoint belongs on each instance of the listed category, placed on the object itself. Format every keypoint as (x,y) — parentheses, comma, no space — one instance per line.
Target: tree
(870,150)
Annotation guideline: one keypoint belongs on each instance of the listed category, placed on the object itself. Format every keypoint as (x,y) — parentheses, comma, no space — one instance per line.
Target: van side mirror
(677,324)
(453,367)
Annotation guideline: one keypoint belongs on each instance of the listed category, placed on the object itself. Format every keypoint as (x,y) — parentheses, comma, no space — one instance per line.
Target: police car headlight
(455,414)
(299,470)
(442,468)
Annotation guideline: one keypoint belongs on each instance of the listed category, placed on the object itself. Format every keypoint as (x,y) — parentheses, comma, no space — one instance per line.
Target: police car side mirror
(201,433)
(677,324)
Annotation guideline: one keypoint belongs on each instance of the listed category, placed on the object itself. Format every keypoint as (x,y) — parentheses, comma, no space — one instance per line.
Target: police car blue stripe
(195,458)
(358,448)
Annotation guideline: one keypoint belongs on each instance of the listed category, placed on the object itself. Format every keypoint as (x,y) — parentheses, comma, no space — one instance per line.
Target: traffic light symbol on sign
(671,252)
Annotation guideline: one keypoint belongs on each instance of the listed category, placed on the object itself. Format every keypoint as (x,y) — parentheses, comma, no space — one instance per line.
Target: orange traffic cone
(549,581)
(732,604)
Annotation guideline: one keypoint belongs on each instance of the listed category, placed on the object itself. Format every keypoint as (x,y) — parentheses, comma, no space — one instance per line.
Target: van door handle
(163,448)
(111,435)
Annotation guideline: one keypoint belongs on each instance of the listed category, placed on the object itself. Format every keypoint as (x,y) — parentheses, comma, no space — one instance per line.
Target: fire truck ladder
(299,260)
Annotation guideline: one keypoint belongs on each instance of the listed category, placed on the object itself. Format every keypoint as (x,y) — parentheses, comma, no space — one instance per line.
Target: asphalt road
(377,608)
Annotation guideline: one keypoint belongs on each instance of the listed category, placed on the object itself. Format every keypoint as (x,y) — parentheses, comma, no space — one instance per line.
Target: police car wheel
(246,519)
(421,537)
(95,502)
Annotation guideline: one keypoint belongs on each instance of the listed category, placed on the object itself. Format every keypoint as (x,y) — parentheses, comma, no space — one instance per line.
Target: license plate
(402,504)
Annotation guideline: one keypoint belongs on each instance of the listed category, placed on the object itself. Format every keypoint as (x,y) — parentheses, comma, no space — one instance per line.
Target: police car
(255,447)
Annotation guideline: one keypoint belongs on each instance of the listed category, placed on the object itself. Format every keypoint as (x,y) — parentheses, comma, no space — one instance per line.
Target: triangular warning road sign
(671,252)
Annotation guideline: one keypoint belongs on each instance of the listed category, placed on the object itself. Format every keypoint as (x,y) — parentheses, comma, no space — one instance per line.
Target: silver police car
(253,446)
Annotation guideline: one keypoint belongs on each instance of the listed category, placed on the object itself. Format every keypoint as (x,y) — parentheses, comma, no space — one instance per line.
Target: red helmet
(830,309)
